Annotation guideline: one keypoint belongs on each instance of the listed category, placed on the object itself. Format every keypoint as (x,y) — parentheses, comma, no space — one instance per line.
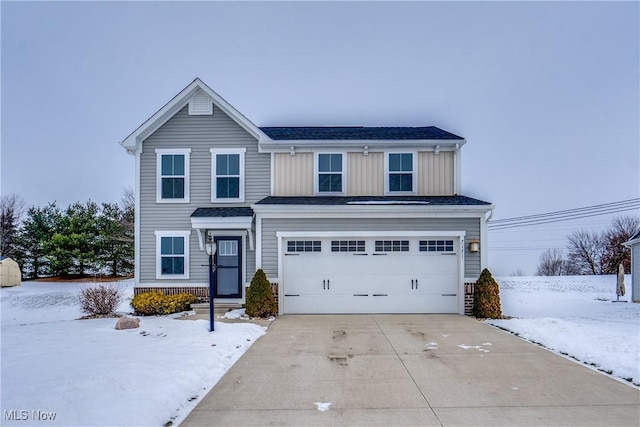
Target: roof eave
(373,209)
(284,145)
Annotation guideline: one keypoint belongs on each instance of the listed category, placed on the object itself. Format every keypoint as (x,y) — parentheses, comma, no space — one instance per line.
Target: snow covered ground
(86,373)
(574,316)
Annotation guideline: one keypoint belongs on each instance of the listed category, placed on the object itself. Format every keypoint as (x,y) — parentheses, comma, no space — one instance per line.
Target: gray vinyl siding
(271,225)
(200,134)
(635,272)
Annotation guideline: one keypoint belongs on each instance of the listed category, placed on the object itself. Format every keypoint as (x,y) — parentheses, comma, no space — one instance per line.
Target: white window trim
(172,233)
(214,153)
(414,177)
(316,172)
(187,173)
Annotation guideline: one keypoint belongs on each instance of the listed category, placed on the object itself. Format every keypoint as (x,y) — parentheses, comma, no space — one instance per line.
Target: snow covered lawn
(574,316)
(86,373)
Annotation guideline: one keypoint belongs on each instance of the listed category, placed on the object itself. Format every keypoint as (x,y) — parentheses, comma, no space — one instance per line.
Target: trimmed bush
(260,300)
(157,303)
(100,300)
(486,301)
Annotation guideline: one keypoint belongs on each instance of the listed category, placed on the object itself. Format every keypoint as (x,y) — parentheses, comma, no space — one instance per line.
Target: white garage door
(372,275)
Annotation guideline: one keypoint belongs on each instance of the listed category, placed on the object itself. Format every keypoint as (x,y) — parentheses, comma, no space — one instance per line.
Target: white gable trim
(133,142)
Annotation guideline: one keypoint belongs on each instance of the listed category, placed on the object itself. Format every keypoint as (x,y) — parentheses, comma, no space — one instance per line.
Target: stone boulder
(127,323)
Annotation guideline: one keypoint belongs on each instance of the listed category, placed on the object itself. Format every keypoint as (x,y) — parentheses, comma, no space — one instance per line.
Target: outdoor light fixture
(211,247)
(474,245)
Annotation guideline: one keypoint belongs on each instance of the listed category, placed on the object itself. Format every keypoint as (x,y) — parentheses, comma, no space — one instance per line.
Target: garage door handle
(291,295)
(416,283)
(362,254)
(448,253)
(449,295)
(411,283)
(324,284)
(380,295)
(360,295)
(328,283)
(291,254)
(379,254)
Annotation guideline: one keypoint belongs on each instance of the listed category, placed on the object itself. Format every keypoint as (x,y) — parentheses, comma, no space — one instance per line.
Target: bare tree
(621,230)
(585,251)
(552,263)
(12,208)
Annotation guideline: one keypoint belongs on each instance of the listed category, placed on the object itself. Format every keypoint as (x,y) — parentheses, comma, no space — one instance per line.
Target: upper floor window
(330,173)
(227,175)
(401,172)
(172,254)
(172,175)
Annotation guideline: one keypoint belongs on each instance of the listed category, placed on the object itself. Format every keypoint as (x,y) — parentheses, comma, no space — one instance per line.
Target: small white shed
(10,274)
(634,244)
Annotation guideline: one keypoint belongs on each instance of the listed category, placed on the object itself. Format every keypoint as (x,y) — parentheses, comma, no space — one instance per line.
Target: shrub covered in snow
(100,300)
(154,303)
(486,301)
(260,300)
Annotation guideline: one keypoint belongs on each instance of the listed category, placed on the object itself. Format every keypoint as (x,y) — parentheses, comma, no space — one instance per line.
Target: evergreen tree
(33,236)
(486,300)
(260,300)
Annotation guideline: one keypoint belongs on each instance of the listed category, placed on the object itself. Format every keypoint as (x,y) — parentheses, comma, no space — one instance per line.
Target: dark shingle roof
(374,200)
(357,133)
(222,212)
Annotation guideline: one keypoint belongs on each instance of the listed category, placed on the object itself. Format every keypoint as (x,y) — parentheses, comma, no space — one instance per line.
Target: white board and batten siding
(199,133)
(365,175)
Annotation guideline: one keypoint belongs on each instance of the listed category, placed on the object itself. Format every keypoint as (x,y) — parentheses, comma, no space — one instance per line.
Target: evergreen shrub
(486,301)
(157,303)
(260,300)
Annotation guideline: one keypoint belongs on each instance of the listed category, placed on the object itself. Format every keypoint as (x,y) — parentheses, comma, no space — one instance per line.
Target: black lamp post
(211,249)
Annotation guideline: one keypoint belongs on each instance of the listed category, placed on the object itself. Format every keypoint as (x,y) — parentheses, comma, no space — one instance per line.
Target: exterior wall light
(474,245)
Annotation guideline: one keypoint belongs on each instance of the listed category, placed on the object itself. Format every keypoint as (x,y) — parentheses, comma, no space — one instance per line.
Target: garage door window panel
(436,245)
(392,246)
(347,246)
(294,246)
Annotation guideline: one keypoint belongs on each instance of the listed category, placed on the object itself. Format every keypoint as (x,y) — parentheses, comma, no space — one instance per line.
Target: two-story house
(343,219)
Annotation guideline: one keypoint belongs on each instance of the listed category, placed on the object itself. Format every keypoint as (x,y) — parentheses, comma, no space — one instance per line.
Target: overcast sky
(546,93)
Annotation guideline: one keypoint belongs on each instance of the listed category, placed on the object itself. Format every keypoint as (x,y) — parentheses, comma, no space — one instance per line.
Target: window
(227,172)
(172,254)
(400,167)
(228,248)
(436,245)
(347,246)
(304,246)
(172,175)
(392,246)
(330,173)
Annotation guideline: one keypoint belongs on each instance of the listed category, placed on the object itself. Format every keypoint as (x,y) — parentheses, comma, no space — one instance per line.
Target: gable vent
(200,104)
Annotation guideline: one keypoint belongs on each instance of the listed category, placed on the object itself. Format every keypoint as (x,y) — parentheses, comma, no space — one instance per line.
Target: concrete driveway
(402,370)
